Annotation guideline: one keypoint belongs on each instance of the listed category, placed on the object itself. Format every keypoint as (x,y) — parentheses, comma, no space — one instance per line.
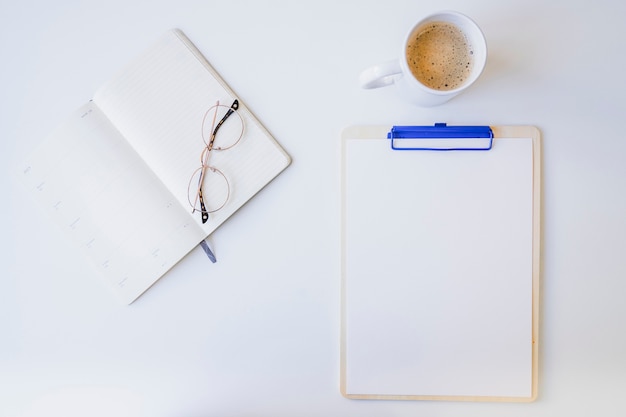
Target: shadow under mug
(398,73)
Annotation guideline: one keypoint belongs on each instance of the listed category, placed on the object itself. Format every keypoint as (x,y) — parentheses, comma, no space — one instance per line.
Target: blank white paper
(438,270)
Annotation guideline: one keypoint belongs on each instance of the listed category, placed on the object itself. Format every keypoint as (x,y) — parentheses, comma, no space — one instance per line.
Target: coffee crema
(440,56)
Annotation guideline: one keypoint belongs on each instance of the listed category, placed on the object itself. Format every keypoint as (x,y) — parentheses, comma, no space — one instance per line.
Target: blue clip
(441,137)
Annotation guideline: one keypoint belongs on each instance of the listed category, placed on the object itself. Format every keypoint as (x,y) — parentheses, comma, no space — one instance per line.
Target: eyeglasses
(209,189)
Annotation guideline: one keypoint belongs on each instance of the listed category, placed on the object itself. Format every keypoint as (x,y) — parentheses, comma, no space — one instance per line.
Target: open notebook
(440,268)
(116,175)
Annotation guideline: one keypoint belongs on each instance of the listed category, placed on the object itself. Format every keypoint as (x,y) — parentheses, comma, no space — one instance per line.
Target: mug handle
(380,75)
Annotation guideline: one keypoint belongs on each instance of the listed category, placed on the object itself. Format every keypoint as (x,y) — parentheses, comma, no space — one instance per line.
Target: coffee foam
(440,56)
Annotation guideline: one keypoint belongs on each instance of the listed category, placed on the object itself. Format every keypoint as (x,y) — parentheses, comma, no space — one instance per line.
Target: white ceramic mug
(397,72)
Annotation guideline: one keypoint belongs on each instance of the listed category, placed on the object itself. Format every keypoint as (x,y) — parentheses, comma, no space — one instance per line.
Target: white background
(257,334)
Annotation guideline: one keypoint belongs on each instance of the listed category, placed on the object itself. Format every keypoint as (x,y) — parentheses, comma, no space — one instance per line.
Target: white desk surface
(257,334)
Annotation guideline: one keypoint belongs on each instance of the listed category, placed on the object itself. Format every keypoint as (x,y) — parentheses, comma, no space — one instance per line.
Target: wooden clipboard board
(440,269)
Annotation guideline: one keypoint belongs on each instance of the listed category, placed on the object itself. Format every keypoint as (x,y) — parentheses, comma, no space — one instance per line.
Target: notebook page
(438,270)
(110,204)
(158,103)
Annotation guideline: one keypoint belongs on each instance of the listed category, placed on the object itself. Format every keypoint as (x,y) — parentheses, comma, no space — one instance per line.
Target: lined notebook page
(110,204)
(437,258)
(158,103)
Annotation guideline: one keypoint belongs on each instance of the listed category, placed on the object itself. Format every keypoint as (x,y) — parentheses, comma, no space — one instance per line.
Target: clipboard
(440,262)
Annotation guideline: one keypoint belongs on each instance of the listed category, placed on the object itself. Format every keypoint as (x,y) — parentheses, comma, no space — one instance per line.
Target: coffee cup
(442,55)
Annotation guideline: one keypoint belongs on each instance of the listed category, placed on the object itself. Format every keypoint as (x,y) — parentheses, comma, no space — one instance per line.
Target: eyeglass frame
(204,156)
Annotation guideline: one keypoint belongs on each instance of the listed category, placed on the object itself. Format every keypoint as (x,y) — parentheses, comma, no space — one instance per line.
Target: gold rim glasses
(209,189)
